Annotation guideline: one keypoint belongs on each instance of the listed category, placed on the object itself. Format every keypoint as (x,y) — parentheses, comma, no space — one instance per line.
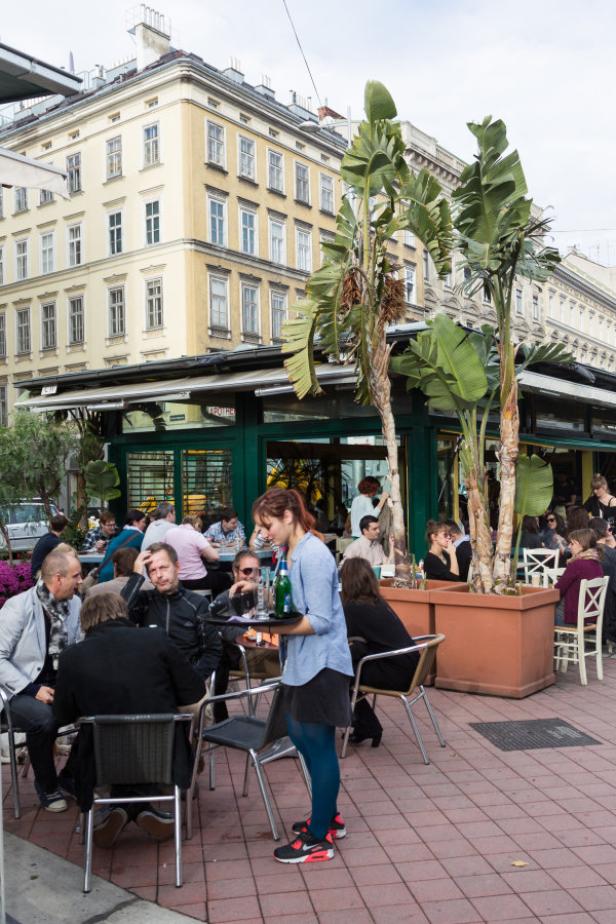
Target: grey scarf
(57,610)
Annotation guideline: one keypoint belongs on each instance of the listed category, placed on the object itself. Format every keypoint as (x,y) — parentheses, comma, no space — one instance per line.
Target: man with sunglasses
(262,661)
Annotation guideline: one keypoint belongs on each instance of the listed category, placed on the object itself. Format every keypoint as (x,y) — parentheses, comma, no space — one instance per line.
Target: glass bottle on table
(283,604)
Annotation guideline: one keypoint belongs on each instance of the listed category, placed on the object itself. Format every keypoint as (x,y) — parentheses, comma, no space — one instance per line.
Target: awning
(25,77)
(559,388)
(16,170)
(118,397)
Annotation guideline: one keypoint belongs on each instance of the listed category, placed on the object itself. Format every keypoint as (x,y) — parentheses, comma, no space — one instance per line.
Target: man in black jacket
(179,612)
(121,670)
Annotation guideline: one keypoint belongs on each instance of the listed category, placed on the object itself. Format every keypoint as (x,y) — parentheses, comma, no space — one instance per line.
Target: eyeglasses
(248,571)
(551,519)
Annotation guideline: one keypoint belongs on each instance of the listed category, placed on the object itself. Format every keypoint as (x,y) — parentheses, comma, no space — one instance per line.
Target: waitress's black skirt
(324,700)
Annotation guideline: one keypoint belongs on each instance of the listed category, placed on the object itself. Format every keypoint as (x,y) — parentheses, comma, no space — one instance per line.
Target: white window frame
(21,200)
(20,275)
(305,265)
(151,146)
(322,206)
(254,287)
(270,186)
(303,166)
(2,334)
(519,302)
(51,344)
(283,253)
(224,280)
(46,197)
(112,312)
(426,265)
(23,312)
(1,202)
(73,171)
(151,219)
(243,210)
(2,265)
(72,250)
(222,201)
(245,159)
(112,233)
(222,162)
(284,309)
(409,239)
(4,408)
(535,308)
(410,284)
(72,341)
(45,251)
(113,158)
(154,313)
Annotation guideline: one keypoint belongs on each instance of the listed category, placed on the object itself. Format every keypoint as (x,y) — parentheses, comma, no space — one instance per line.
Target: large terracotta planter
(414,607)
(498,645)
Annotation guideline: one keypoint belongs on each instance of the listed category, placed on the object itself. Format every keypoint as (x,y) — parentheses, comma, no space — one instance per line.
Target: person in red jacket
(584,564)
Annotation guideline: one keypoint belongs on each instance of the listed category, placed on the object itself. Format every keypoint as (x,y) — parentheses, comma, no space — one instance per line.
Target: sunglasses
(551,519)
(248,571)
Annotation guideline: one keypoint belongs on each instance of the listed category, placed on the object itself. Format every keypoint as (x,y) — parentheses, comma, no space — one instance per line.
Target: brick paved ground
(431,844)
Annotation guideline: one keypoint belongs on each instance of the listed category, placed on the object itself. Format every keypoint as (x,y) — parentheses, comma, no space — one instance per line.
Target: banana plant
(102,480)
(356,295)
(534,491)
(501,239)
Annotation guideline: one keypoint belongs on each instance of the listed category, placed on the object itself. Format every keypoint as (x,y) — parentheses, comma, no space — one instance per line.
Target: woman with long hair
(553,536)
(373,628)
(316,668)
(583,564)
(601,503)
(441,562)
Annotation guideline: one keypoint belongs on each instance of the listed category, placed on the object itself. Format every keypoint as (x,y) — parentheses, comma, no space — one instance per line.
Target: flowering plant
(13,579)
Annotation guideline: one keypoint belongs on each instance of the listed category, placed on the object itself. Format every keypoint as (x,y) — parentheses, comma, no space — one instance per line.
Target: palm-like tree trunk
(481,535)
(508,457)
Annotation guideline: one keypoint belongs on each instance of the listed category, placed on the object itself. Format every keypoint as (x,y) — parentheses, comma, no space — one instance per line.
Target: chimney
(152,32)
(265,87)
(234,71)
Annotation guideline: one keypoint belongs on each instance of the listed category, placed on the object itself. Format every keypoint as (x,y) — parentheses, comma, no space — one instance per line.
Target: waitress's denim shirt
(314,587)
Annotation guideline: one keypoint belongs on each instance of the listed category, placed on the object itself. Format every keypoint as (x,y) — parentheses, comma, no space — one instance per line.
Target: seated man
(35,627)
(368,545)
(227,529)
(120,670)
(96,539)
(46,543)
(179,612)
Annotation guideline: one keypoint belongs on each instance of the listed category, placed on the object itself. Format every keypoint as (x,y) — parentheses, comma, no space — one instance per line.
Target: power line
(580,230)
(299,45)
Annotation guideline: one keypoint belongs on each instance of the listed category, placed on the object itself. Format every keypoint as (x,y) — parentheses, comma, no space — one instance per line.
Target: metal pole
(2,898)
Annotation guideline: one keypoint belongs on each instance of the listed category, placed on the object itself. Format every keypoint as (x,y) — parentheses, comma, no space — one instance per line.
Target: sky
(544,66)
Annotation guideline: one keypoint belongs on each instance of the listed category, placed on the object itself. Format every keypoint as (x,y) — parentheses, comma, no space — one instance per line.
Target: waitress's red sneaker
(337,827)
(306,849)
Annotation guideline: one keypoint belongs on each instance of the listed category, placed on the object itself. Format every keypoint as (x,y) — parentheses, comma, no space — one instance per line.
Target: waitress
(316,668)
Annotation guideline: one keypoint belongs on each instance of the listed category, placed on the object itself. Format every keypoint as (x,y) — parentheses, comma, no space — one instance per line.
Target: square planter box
(497,645)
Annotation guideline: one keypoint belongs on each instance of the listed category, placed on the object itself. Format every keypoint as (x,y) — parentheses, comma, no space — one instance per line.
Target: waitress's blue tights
(317,745)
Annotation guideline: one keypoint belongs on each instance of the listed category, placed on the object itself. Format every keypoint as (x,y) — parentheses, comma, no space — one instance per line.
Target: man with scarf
(35,627)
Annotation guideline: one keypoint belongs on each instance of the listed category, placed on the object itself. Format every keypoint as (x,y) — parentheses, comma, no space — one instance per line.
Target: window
(21,199)
(46,196)
(47,252)
(535,307)
(247,167)
(563,308)
(21,253)
(248,222)
(409,285)
(304,250)
(302,183)
(426,265)
(487,296)
(2,335)
(75,320)
(4,416)
(250,310)
(117,318)
(73,168)
(551,299)
(153,303)
(48,326)
(519,302)
(278,302)
(114,157)
(277,241)
(217,221)
(215,144)
(409,239)
(1,202)
(1,266)
(24,340)
(275,171)
(326,191)
(152,222)
(115,233)
(219,304)
(151,146)
(74,245)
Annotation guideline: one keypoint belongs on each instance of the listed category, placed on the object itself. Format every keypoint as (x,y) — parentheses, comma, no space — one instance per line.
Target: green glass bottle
(283,605)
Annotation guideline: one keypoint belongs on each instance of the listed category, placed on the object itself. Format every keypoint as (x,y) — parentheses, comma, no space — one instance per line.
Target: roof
(24,77)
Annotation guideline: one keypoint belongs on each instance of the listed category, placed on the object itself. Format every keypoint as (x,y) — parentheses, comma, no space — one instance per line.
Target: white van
(26,522)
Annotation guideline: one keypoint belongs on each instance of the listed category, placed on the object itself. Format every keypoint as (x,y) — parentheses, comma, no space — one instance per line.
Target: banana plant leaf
(534,486)
(102,480)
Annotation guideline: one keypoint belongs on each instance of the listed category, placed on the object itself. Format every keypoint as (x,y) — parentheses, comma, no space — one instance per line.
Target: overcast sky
(545,66)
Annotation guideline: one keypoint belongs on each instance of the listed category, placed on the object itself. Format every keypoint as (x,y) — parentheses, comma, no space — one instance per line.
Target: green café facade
(213,431)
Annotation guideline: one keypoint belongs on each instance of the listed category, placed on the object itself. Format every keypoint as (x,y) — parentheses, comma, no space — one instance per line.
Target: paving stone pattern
(480,835)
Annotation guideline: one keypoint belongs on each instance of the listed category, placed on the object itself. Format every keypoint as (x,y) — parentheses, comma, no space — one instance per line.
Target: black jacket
(182,616)
(121,670)
(382,630)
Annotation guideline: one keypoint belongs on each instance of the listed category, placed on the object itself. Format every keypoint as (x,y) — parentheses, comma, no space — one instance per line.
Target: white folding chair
(573,644)
(536,561)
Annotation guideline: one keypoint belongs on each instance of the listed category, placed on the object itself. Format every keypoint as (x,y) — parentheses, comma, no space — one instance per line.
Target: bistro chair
(7,727)
(427,645)
(262,740)
(134,750)
(536,561)
(551,575)
(573,644)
